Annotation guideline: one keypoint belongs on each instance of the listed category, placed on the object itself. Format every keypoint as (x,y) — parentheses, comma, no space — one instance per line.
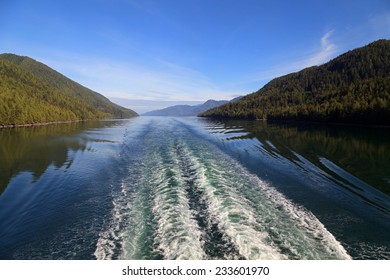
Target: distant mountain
(31,92)
(352,88)
(186,110)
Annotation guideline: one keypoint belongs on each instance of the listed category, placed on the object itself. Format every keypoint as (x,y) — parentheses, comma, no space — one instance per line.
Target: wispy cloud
(163,81)
(328,49)
(155,79)
(311,58)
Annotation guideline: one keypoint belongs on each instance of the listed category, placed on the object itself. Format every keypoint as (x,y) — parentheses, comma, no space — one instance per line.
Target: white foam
(250,214)
(108,239)
(294,230)
(250,242)
(178,235)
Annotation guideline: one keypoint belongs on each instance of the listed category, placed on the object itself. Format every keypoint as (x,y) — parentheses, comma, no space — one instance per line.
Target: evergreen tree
(31,92)
(352,88)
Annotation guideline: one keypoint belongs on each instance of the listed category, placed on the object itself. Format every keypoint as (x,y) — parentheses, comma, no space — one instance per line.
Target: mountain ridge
(351,88)
(186,110)
(33,93)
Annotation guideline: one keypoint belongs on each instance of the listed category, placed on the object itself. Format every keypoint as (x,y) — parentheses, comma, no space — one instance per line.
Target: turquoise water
(188,188)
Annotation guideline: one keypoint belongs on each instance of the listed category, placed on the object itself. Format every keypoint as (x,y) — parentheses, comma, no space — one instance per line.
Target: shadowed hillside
(352,88)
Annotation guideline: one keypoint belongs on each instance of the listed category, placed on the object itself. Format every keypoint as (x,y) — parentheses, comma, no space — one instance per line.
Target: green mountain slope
(31,92)
(352,88)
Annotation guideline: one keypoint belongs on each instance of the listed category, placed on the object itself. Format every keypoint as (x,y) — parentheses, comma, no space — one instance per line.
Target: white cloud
(162,81)
(312,58)
(327,51)
(155,79)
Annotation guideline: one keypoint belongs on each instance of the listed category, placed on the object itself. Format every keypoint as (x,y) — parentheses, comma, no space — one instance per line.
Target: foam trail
(159,223)
(137,235)
(234,216)
(177,234)
(120,238)
(183,198)
(260,221)
(111,239)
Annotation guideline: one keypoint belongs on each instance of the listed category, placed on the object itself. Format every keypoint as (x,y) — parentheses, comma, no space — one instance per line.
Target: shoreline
(55,122)
(291,122)
(38,124)
(326,123)
(296,122)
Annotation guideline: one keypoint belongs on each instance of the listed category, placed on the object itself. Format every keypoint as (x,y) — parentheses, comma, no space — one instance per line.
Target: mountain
(186,110)
(352,88)
(31,92)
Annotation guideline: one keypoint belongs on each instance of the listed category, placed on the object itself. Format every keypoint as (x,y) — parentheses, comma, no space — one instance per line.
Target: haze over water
(188,188)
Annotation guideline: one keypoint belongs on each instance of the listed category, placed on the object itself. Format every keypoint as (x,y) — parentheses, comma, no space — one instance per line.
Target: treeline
(352,88)
(31,92)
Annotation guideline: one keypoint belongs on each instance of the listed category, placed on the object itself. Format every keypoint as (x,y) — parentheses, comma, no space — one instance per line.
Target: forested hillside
(31,92)
(352,88)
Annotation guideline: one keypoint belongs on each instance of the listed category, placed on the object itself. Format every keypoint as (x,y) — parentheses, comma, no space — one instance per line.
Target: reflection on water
(34,149)
(336,172)
(340,173)
(55,192)
(361,151)
(150,188)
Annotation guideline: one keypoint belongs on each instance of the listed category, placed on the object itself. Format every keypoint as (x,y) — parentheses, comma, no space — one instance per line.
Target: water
(188,188)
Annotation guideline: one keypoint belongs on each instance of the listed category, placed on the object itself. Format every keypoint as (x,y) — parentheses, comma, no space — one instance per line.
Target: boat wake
(180,197)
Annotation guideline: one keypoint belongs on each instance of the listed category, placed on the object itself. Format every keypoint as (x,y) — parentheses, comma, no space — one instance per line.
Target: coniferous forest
(32,93)
(352,88)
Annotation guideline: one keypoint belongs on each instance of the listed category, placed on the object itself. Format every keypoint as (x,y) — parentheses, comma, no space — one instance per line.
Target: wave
(189,200)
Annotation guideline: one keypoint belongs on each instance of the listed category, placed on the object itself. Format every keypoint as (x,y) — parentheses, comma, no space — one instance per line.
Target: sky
(150,54)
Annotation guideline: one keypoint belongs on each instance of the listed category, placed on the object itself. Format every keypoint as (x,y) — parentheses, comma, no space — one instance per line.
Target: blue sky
(148,54)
